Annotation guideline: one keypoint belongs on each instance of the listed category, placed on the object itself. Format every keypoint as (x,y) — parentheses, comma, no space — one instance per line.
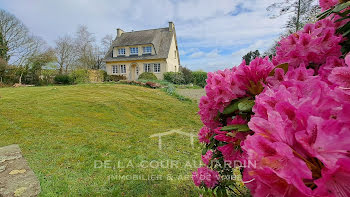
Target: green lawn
(64,130)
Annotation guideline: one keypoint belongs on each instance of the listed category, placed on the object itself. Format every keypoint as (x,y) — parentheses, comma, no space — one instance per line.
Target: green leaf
(231,108)
(341,7)
(246,105)
(204,150)
(324,14)
(341,19)
(283,66)
(343,28)
(346,33)
(236,127)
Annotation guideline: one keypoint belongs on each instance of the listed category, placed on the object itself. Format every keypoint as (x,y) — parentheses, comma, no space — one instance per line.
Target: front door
(133,72)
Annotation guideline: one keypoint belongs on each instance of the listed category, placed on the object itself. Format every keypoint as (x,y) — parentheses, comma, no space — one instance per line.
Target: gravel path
(195,94)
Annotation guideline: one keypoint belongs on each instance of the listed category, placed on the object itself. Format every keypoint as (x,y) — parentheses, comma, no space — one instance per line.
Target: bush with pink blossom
(284,125)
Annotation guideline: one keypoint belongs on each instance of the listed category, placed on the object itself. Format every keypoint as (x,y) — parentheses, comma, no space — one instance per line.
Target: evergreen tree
(250,56)
(3,49)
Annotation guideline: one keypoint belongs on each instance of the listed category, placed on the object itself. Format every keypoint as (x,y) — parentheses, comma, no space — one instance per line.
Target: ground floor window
(114,69)
(156,68)
(122,69)
(147,67)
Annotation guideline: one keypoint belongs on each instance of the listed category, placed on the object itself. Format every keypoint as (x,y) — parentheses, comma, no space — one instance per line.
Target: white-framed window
(147,67)
(114,69)
(121,51)
(122,69)
(134,50)
(147,50)
(156,68)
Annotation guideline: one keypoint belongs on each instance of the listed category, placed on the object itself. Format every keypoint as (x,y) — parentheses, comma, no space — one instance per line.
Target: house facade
(133,53)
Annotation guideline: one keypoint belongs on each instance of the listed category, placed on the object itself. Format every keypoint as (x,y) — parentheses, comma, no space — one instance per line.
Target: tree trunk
(20,78)
(298,17)
(61,69)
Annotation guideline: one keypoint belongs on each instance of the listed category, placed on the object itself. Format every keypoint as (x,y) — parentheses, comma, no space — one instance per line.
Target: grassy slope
(62,130)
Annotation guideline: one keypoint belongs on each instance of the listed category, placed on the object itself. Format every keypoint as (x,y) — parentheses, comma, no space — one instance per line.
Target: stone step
(16,177)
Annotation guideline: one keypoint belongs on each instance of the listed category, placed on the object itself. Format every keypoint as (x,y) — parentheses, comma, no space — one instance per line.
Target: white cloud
(197,54)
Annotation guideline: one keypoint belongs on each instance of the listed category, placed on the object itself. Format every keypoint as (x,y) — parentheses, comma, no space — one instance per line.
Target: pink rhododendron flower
(326,4)
(331,63)
(347,59)
(340,76)
(335,181)
(301,133)
(205,134)
(205,176)
(316,138)
(207,157)
(208,113)
(254,75)
(279,158)
(224,86)
(231,151)
(264,182)
(312,45)
(236,120)
(299,141)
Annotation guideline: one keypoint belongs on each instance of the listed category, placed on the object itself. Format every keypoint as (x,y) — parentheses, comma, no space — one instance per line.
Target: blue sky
(211,34)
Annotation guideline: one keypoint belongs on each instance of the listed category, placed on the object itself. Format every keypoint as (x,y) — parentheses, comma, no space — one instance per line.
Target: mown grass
(64,130)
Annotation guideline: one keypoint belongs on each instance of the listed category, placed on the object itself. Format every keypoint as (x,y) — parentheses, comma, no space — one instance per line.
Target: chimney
(119,32)
(171,26)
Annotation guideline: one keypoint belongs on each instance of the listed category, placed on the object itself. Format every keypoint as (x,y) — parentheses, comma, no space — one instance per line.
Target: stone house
(153,50)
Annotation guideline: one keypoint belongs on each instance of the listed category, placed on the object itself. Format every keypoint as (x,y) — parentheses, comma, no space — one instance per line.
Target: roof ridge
(146,30)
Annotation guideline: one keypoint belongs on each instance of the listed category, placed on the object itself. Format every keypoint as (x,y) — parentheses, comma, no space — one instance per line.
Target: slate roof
(159,38)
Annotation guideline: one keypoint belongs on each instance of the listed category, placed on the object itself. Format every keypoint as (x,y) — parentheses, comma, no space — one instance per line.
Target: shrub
(48,76)
(115,78)
(63,79)
(96,76)
(80,76)
(147,76)
(174,77)
(306,95)
(171,90)
(199,78)
(187,73)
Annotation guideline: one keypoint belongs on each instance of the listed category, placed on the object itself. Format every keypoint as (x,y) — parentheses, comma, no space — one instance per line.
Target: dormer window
(147,50)
(134,50)
(121,51)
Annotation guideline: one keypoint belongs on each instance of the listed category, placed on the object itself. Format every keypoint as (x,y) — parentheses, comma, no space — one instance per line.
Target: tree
(3,66)
(3,49)
(17,41)
(301,12)
(16,38)
(64,51)
(250,56)
(37,61)
(187,74)
(84,48)
(106,42)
